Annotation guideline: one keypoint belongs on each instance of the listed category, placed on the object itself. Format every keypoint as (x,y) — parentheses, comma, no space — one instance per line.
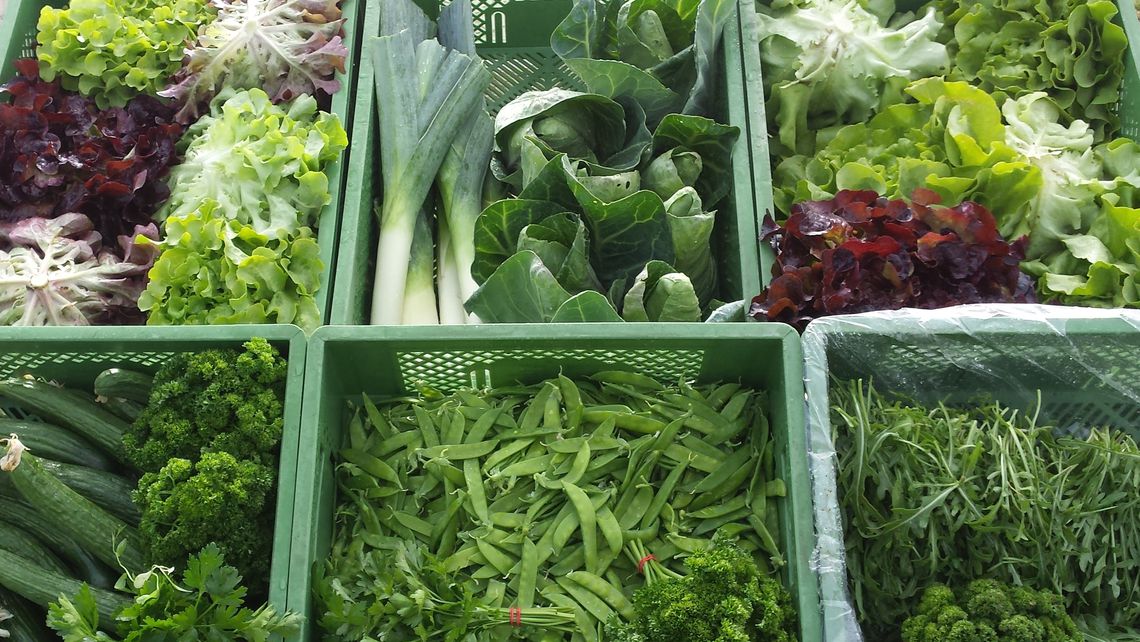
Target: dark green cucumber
(124,384)
(42,587)
(82,564)
(15,540)
(124,409)
(59,444)
(108,490)
(27,621)
(93,528)
(74,412)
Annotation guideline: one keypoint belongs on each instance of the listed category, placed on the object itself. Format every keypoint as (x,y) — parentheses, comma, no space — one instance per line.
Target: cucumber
(15,540)
(96,530)
(41,587)
(71,411)
(124,384)
(81,563)
(53,442)
(107,490)
(124,409)
(27,621)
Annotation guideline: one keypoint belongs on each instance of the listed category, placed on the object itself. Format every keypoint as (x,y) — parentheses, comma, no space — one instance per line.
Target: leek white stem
(419,296)
(451,311)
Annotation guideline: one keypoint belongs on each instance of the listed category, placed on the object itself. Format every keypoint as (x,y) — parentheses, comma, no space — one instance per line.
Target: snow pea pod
(604,590)
(587,520)
(528,573)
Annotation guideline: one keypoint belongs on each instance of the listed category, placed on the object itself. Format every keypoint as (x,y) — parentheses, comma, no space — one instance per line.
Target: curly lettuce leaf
(215,270)
(288,48)
(829,63)
(61,154)
(112,50)
(57,272)
(951,141)
(261,164)
(1070,49)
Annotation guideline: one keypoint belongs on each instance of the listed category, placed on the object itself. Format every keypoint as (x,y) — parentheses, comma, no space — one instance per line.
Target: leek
(426,93)
(460,180)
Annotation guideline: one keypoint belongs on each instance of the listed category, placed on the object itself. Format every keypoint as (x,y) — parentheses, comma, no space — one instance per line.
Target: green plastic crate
(1129,109)
(18,40)
(346,362)
(75,356)
(1085,362)
(513,38)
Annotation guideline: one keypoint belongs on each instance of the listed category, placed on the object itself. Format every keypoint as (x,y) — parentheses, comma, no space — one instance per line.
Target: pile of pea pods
(555,495)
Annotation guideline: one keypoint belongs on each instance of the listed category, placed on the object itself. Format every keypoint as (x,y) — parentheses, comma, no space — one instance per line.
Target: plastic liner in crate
(75,356)
(386,361)
(18,40)
(1085,363)
(513,39)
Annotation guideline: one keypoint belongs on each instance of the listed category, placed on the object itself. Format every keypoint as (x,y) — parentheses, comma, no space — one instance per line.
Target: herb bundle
(945,495)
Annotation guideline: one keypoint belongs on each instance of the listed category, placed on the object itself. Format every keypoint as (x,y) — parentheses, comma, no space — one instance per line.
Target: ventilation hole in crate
(448,371)
(18,364)
(519,72)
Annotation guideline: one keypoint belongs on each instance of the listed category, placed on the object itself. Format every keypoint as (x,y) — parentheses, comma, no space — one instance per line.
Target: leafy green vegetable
(287,48)
(212,271)
(1070,49)
(259,164)
(951,141)
(661,53)
(113,50)
(593,227)
(207,605)
(219,499)
(238,246)
(219,400)
(723,598)
(920,506)
(1083,224)
(453,508)
(990,610)
(660,293)
(830,63)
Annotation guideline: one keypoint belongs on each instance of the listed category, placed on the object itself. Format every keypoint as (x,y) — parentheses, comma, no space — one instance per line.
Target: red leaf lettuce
(859,252)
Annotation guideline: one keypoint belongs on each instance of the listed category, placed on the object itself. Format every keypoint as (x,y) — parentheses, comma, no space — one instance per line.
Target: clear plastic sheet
(1085,362)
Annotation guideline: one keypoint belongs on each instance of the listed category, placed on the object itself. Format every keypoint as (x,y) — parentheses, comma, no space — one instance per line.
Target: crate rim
(1008,319)
(341,105)
(109,340)
(743,95)
(789,351)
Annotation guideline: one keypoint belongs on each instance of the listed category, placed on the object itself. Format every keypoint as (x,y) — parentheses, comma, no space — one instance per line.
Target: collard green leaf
(548,183)
(712,15)
(497,231)
(711,140)
(614,78)
(586,126)
(586,307)
(521,290)
(692,230)
(561,242)
(733,312)
(579,35)
(660,293)
(625,233)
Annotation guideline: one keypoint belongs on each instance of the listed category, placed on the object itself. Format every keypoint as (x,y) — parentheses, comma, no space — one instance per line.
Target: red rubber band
(515,615)
(641,563)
